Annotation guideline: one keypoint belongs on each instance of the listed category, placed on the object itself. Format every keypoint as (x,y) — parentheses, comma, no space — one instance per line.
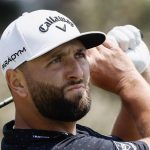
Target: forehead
(71,45)
(68,47)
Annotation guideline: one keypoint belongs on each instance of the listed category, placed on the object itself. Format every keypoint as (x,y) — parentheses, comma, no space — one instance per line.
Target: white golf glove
(129,39)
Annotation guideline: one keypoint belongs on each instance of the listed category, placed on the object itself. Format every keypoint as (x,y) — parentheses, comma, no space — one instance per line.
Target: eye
(80,55)
(56,60)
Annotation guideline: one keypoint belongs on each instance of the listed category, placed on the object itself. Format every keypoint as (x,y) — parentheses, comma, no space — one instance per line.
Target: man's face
(59,82)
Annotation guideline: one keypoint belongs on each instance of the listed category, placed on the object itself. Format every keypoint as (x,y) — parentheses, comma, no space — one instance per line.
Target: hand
(111,69)
(128,38)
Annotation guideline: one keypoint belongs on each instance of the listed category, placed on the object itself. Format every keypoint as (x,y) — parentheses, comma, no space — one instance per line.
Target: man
(46,65)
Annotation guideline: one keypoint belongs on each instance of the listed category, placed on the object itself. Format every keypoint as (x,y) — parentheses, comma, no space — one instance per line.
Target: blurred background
(89,15)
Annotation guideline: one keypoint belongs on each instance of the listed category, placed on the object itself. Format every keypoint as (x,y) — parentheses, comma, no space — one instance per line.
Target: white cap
(36,33)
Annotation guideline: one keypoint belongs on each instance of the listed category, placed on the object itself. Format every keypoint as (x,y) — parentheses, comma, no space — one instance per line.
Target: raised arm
(112,69)
(125,126)
(129,39)
(136,102)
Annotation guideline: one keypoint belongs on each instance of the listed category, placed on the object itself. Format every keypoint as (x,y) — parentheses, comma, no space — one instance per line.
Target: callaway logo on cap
(34,34)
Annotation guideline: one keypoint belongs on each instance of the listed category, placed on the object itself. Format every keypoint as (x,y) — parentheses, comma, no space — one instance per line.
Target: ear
(16,82)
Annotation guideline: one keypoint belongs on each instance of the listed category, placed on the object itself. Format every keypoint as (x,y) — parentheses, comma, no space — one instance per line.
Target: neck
(40,123)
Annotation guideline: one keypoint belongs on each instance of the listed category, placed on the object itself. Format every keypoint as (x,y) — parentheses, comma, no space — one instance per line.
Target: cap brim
(89,40)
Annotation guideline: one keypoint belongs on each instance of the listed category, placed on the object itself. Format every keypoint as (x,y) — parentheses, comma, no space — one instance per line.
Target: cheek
(88,75)
(54,77)
(86,70)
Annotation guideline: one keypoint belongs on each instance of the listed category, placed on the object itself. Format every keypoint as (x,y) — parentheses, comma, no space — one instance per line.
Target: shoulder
(86,142)
(100,141)
(91,132)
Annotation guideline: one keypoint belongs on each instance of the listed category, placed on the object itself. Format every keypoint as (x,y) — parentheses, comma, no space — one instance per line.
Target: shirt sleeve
(101,142)
(137,145)
(93,143)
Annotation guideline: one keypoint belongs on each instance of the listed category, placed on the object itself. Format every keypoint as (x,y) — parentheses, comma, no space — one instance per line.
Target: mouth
(75,87)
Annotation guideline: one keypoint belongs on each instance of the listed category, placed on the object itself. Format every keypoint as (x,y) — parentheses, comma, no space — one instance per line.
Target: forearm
(136,99)
(125,126)
(146,74)
(116,73)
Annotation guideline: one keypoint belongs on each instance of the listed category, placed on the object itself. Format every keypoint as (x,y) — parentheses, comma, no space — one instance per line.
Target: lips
(75,87)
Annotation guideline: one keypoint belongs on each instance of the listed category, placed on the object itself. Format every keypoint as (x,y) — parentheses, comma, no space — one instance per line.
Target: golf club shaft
(6,102)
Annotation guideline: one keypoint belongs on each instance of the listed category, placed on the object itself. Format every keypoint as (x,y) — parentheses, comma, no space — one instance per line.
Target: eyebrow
(81,49)
(60,53)
(51,54)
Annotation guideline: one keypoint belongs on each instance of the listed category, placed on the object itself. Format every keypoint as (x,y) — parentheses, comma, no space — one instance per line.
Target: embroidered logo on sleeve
(124,146)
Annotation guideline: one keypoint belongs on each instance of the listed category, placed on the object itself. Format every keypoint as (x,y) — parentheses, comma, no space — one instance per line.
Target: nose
(74,70)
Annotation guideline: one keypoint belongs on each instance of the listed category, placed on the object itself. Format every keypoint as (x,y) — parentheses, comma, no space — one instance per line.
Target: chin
(75,93)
